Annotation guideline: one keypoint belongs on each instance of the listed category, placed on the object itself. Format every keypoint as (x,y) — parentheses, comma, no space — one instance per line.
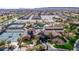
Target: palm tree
(2,42)
(19,42)
(8,42)
(2,45)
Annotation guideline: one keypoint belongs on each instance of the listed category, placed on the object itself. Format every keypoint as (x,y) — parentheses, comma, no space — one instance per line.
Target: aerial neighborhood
(39,29)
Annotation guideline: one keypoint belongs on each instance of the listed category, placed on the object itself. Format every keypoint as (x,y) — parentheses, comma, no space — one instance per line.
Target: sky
(38,3)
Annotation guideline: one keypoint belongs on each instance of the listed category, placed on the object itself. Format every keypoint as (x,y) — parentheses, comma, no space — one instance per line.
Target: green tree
(8,42)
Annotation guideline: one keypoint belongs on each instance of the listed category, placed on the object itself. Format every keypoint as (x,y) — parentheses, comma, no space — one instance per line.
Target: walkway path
(50,47)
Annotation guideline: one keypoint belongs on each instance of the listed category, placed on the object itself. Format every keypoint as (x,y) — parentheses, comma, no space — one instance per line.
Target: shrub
(28,41)
(2,42)
(50,41)
(39,47)
(66,46)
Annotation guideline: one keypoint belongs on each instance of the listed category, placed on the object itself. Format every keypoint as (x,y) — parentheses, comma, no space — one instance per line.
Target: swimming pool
(12,32)
(13,36)
(16,26)
(13,26)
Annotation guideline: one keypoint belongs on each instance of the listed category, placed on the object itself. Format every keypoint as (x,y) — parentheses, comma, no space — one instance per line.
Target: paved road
(76,45)
(51,48)
(30,18)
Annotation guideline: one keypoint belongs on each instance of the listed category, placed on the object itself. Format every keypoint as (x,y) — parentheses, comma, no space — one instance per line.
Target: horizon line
(39,7)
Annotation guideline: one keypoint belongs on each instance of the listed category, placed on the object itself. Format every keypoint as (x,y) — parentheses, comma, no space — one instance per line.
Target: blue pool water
(13,36)
(13,33)
(15,26)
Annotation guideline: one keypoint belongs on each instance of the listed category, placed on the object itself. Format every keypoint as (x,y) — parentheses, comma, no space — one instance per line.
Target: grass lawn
(69,45)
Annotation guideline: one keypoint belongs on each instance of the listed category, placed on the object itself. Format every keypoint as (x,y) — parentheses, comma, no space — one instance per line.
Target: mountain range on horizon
(46,9)
(59,8)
